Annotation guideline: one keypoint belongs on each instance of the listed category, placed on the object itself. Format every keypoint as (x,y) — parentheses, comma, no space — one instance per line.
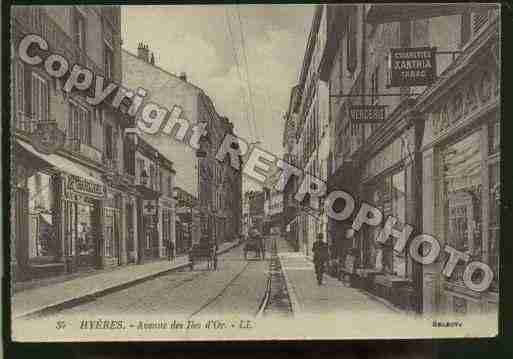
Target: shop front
(113,231)
(150,244)
(390,179)
(57,212)
(461,185)
(81,204)
(343,251)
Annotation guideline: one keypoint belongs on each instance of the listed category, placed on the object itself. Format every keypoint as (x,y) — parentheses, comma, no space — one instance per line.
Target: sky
(220,47)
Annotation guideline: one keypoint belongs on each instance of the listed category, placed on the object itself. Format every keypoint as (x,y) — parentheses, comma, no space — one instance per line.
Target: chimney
(183,76)
(143,52)
(152,59)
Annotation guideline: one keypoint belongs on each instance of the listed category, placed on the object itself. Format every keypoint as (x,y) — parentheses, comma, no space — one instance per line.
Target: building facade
(398,164)
(290,205)
(98,200)
(312,135)
(68,205)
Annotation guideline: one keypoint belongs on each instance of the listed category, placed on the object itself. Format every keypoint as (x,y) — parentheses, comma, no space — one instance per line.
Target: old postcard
(242,172)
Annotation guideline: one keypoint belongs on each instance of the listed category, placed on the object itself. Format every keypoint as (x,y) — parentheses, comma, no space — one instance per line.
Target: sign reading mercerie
(367,113)
(412,66)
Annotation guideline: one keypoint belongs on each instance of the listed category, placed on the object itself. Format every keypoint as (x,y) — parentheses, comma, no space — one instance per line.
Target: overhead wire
(241,28)
(235,58)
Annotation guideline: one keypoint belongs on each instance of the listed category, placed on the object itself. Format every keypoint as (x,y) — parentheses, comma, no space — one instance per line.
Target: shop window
(399,211)
(84,230)
(461,188)
(42,236)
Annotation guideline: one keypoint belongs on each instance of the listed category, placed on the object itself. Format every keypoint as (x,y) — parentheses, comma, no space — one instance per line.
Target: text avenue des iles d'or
(210,324)
(258,164)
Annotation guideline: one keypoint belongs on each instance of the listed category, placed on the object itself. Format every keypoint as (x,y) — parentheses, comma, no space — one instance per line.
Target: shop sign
(414,66)
(367,113)
(47,138)
(81,185)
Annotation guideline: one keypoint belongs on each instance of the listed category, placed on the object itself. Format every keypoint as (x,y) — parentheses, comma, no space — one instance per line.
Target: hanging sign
(414,66)
(367,113)
(81,185)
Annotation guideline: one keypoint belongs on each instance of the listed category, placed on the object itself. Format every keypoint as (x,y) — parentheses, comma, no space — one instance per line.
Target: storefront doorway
(81,223)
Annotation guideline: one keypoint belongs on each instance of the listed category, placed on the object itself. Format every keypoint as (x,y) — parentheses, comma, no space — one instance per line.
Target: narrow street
(236,287)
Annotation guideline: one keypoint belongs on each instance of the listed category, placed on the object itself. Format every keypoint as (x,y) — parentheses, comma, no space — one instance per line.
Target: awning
(59,163)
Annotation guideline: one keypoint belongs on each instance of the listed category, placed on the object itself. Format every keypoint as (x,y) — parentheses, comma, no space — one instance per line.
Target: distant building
(256,202)
(215,185)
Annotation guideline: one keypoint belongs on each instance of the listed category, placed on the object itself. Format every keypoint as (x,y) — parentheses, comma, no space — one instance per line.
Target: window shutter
(479,19)
(465,28)
(351,42)
(45,99)
(28,92)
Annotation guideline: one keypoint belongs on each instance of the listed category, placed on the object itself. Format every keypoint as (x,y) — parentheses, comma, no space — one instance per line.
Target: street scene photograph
(254,172)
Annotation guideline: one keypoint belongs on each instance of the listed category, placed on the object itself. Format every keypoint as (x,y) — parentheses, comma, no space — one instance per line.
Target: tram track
(221,292)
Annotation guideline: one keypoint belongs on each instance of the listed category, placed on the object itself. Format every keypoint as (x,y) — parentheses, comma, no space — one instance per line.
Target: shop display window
(41,231)
(461,198)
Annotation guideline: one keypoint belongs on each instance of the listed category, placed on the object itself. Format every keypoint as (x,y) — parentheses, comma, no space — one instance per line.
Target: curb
(294,302)
(71,302)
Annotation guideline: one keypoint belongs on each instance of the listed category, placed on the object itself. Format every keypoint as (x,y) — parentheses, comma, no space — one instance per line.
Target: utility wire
(244,103)
(247,72)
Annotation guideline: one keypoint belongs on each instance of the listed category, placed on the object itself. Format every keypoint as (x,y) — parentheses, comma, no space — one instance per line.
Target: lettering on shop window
(464,103)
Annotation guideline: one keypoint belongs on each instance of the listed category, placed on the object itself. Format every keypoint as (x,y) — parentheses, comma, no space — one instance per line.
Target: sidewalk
(66,294)
(307,297)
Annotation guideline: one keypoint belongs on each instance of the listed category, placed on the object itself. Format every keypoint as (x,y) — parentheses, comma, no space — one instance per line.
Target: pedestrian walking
(170,250)
(321,256)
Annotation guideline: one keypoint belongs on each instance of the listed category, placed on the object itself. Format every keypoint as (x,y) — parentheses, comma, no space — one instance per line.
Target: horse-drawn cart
(255,245)
(203,251)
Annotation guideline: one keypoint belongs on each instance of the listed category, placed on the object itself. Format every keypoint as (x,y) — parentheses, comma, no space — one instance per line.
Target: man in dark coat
(170,250)
(320,257)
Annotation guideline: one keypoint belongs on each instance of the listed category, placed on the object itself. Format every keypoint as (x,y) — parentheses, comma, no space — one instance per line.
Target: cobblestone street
(236,287)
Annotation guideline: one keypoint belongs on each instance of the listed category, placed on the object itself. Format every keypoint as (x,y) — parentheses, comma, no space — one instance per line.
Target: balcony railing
(32,19)
(75,145)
